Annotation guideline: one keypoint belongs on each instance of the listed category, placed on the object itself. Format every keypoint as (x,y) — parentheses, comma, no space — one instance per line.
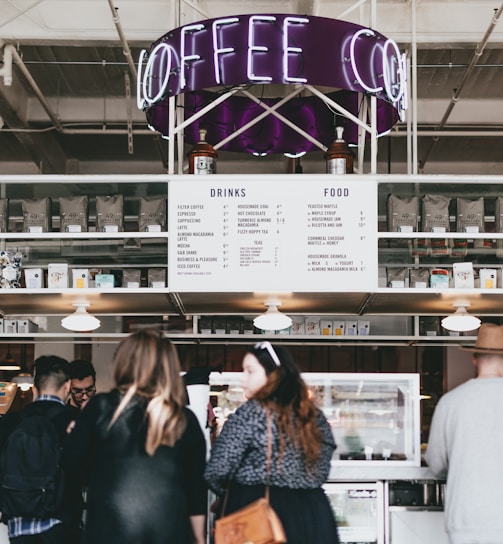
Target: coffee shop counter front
(387,505)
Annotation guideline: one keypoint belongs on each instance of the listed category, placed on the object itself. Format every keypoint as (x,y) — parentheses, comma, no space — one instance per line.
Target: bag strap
(269,453)
(267,463)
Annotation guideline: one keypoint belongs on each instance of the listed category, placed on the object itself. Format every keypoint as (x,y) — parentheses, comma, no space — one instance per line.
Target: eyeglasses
(89,391)
(270,350)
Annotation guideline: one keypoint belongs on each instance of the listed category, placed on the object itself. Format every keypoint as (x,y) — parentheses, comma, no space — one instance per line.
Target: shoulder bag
(256,523)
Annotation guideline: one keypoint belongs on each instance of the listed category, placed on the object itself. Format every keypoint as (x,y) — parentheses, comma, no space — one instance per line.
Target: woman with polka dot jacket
(302,447)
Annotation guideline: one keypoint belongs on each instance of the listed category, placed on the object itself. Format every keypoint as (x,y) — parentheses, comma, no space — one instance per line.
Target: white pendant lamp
(80,320)
(24,380)
(272,319)
(461,320)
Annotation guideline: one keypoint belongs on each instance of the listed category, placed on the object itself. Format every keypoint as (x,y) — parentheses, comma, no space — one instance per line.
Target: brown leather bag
(256,523)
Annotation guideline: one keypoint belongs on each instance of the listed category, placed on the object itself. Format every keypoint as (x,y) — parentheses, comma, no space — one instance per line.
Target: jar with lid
(202,156)
(339,156)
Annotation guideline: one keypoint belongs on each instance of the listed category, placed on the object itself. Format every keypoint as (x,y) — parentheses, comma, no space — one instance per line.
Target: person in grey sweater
(466,446)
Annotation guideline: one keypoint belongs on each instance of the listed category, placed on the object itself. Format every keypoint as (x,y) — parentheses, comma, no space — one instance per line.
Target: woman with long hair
(144,450)
(302,447)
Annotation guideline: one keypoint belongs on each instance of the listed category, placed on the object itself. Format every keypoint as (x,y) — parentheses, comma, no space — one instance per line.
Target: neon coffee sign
(273,49)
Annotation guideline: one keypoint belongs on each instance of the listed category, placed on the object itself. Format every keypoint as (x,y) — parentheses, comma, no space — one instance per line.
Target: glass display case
(374,417)
(359,511)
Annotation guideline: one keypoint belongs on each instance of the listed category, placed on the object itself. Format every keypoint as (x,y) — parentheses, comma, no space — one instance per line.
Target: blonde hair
(147,365)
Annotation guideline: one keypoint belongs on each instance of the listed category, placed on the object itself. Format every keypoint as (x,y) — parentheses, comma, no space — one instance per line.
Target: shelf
(149,301)
(441,235)
(248,339)
(81,235)
(290,274)
(117,301)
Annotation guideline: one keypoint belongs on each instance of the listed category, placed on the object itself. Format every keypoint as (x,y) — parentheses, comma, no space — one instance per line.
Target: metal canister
(338,156)
(202,156)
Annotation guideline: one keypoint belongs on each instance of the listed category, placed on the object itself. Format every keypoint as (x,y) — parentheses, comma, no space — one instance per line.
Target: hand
(70,427)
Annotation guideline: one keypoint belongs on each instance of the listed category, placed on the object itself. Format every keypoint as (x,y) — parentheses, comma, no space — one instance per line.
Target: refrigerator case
(359,511)
(375,418)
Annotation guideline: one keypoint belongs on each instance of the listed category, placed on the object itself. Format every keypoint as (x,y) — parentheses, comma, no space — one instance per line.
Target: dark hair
(50,371)
(284,382)
(80,369)
(286,393)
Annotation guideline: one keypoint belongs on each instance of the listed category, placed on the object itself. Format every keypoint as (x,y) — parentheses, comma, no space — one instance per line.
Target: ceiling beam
(42,147)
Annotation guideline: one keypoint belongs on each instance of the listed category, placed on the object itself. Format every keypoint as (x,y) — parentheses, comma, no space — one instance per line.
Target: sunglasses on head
(270,350)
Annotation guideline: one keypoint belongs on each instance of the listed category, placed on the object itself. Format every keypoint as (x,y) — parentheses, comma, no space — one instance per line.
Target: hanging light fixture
(272,319)
(461,320)
(24,381)
(80,320)
(9,363)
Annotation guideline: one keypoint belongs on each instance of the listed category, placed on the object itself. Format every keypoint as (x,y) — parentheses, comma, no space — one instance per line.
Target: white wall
(459,367)
(102,356)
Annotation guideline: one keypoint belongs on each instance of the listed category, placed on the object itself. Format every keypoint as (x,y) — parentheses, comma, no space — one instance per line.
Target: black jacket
(134,497)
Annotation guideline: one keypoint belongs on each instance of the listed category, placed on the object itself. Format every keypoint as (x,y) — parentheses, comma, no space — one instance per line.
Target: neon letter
(162,75)
(367,32)
(184,58)
(287,50)
(217,50)
(391,70)
(253,48)
(139,98)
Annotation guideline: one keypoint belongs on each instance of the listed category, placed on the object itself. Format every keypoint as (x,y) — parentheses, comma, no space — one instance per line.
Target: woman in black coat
(144,450)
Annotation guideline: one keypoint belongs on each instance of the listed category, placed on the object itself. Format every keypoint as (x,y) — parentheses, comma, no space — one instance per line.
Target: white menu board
(260,233)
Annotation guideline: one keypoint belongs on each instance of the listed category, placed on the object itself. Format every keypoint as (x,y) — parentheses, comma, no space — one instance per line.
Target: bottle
(339,157)
(202,156)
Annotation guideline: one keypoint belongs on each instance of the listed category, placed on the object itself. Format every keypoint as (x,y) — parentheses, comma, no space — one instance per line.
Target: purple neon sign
(266,49)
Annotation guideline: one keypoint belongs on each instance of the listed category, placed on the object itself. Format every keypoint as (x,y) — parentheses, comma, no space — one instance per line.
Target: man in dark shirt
(83,383)
(51,389)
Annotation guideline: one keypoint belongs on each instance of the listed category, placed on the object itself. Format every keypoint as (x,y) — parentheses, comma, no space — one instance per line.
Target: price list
(257,234)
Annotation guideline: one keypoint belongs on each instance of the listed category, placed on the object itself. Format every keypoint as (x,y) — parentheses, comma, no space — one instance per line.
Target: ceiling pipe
(451,133)
(87,131)
(468,72)
(142,132)
(6,69)
(125,46)
(36,89)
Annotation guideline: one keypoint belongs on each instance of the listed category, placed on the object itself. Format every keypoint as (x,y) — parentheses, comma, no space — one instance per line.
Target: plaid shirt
(25,526)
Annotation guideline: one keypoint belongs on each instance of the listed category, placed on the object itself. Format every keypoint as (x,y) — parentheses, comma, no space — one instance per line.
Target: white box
(312,325)
(351,328)
(10,326)
(363,327)
(488,278)
(339,328)
(104,281)
(326,327)
(33,278)
(57,276)
(298,325)
(80,278)
(25,326)
(463,275)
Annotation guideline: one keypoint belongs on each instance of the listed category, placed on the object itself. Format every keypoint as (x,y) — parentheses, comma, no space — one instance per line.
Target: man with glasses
(83,383)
